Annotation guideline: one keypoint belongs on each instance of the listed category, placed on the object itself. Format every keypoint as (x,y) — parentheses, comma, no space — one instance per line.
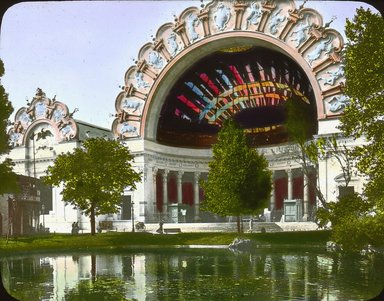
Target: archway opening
(251,84)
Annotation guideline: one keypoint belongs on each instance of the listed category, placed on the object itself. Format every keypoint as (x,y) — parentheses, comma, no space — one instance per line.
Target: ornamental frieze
(163,161)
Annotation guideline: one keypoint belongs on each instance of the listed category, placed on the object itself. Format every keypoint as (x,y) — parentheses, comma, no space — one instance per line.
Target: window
(126,207)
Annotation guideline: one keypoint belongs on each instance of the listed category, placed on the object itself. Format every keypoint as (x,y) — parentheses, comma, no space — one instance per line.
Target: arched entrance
(238,60)
(248,84)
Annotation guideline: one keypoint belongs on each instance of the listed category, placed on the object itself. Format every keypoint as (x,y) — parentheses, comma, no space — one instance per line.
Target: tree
(239,181)
(300,132)
(363,119)
(311,150)
(7,176)
(94,176)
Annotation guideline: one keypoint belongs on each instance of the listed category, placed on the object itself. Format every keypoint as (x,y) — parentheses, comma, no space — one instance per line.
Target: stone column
(306,197)
(273,194)
(165,191)
(154,192)
(196,195)
(180,187)
(290,184)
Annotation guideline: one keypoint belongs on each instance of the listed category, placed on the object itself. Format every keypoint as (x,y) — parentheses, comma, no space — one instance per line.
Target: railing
(106,225)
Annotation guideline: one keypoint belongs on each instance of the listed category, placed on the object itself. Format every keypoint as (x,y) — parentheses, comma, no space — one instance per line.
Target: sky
(80,50)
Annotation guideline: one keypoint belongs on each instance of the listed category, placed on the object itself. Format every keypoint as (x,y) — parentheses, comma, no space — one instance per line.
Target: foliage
(299,131)
(310,150)
(7,176)
(239,181)
(365,85)
(363,118)
(354,225)
(94,176)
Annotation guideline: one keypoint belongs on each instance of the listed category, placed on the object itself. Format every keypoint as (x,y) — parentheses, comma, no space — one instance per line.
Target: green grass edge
(115,240)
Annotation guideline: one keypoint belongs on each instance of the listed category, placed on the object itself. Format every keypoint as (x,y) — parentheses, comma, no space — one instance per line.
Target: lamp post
(43,212)
(132,217)
(42,134)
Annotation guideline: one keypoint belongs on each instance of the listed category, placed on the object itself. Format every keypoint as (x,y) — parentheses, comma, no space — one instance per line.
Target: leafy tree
(300,132)
(364,69)
(239,181)
(94,176)
(311,150)
(354,225)
(7,176)
(363,119)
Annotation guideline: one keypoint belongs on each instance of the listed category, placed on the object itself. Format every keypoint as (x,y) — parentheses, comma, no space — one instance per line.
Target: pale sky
(80,50)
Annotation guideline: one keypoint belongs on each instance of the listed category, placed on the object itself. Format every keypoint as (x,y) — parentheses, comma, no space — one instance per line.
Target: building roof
(87,130)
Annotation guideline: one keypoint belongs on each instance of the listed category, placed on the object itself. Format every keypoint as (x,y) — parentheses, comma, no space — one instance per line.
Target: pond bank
(112,240)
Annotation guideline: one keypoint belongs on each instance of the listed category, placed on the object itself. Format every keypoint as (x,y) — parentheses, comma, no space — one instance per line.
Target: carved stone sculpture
(254,15)
(128,128)
(222,16)
(191,22)
(276,20)
(141,83)
(334,75)
(324,45)
(338,103)
(172,42)
(300,34)
(155,60)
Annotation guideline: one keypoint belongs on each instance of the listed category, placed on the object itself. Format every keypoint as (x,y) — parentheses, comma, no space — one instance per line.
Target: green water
(194,274)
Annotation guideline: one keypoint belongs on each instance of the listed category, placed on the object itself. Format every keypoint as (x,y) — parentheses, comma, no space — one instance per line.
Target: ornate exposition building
(227,59)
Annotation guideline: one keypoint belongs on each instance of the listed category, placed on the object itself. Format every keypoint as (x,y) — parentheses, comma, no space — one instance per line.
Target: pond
(194,274)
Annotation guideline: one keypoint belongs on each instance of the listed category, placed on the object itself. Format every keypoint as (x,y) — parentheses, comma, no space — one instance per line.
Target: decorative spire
(39,93)
(302,5)
(329,23)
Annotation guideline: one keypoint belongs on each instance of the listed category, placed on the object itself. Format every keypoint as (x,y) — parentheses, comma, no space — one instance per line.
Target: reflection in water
(194,274)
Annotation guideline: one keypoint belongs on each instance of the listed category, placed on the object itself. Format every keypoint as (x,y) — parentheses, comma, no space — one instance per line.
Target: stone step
(217,227)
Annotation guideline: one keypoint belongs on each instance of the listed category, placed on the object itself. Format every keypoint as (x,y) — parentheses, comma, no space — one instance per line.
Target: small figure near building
(75,228)
(250,225)
(160,230)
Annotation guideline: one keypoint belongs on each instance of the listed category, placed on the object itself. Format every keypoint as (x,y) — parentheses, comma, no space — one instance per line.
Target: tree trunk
(93,221)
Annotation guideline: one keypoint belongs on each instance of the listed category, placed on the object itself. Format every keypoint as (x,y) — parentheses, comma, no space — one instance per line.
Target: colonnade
(180,176)
(289,175)
(298,189)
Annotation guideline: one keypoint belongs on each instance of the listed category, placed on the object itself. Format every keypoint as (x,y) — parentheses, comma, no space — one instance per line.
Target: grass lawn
(115,240)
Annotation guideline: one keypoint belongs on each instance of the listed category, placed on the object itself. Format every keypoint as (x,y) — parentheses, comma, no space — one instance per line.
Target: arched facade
(41,130)
(172,170)
(297,33)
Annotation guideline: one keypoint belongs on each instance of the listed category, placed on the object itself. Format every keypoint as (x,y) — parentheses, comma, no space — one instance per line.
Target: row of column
(290,192)
(196,195)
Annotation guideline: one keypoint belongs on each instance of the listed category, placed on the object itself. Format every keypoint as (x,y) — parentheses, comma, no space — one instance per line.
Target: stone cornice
(174,162)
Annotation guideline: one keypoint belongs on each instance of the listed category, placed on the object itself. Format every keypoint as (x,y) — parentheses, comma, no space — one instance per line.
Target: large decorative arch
(298,33)
(49,116)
